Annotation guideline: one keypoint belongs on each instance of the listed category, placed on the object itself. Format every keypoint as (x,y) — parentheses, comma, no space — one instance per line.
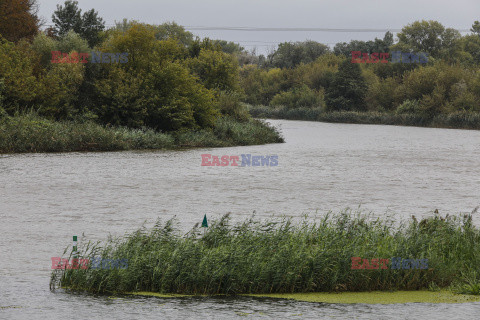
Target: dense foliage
(285,257)
(175,82)
(31,133)
(448,84)
(174,90)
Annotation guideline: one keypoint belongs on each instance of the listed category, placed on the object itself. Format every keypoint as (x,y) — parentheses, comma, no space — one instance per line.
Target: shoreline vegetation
(173,89)
(280,256)
(32,133)
(457,120)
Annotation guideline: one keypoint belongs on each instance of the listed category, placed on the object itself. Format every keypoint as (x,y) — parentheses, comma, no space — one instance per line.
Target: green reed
(280,256)
(461,120)
(31,133)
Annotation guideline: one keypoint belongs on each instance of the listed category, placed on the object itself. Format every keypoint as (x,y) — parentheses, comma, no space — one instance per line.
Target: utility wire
(270,29)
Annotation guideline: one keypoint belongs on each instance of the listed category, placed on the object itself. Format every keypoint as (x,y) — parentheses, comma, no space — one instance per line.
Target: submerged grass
(373,297)
(376,297)
(460,120)
(279,256)
(31,133)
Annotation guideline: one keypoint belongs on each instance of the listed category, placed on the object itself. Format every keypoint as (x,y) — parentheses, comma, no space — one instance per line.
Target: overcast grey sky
(344,14)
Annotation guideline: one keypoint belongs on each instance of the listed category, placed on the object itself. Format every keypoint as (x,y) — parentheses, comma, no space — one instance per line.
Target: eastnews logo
(397,57)
(97,57)
(96,263)
(247,161)
(397,263)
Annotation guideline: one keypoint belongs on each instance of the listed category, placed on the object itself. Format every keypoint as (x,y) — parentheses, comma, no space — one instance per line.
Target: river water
(45,199)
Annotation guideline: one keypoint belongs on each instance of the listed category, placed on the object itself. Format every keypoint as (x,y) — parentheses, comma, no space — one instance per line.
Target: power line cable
(274,29)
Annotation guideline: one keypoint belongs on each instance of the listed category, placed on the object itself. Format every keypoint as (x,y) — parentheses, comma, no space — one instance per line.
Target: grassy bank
(460,120)
(30,133)
(282,257)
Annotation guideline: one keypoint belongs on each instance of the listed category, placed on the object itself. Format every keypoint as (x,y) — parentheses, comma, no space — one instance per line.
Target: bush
(229,105)
(380,96)
(408,106)
(298,97)
(216,69)
(252,132)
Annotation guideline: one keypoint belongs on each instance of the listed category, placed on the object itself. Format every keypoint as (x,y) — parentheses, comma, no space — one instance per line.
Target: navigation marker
(75,253)
(205,223)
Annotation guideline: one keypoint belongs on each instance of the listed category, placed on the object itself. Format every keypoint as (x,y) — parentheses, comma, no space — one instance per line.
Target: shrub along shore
(284,257)
(31,133)
(456,120)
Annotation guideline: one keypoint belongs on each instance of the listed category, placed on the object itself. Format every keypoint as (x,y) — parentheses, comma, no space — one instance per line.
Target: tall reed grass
(460,120)
(280,256)
(31,133)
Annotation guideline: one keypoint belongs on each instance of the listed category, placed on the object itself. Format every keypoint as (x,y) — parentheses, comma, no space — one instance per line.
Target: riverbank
(282,257)
(31,133)
(457,120)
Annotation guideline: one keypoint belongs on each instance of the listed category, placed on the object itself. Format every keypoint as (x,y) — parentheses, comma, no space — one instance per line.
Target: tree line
(175,81)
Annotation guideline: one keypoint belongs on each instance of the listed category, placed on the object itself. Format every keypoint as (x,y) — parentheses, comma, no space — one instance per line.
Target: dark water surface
(47,198)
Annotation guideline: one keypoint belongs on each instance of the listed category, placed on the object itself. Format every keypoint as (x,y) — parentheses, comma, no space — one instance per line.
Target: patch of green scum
(158,295)
(376,297)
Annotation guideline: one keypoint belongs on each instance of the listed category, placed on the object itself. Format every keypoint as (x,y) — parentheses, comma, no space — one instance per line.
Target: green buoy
(75,253)
(205,223)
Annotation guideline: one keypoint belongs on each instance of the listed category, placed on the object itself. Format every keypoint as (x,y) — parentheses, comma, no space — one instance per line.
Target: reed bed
(283,256)
(31,133)
(459,120)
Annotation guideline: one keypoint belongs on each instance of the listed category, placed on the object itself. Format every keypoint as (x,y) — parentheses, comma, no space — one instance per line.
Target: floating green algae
(158,295)
(376,297)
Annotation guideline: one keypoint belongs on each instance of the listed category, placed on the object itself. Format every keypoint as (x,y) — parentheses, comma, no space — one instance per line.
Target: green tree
(427,36)
(155,88)
(92,27)
(43,46)
(348,89)
(378,45)
(216,69)
(119,100)
(66,18)
(72,41)
(318,74)
(176,101)
(69,17)
(380,95)
(171,30)
(476,28)
(58,90)
(19,73)
(289,55)
(138,41)
(230,47)
(471,45)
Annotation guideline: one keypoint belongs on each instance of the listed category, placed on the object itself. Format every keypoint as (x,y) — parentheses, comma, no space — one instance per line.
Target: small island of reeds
(271,257)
